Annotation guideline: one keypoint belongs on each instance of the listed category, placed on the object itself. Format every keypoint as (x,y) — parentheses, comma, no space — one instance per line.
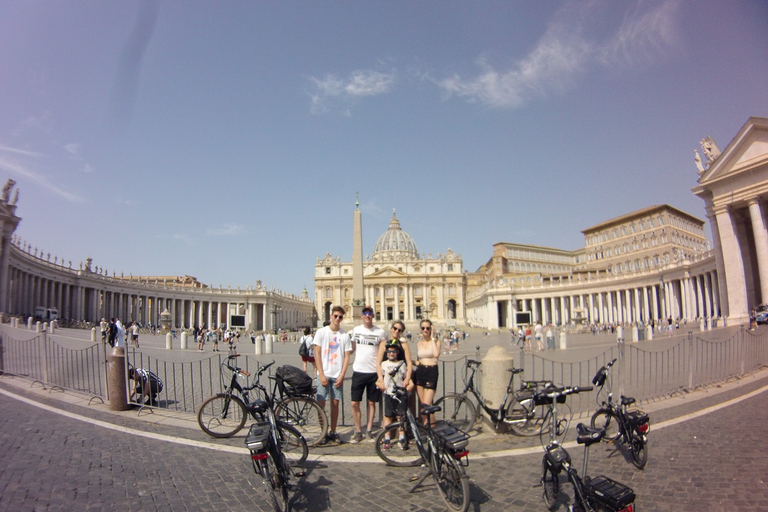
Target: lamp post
(663,296)
(275,308)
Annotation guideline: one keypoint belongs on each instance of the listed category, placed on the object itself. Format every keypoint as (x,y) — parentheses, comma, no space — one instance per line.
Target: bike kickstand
(420,479)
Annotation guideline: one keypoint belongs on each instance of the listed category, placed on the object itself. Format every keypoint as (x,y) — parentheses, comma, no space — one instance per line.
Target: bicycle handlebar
(611,363)
(554,392)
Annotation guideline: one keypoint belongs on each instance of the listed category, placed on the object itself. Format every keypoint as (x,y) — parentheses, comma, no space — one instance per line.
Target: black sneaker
(334,437)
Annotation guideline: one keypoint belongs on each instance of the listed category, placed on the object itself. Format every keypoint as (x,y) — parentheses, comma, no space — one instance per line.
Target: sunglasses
(367,314)
(338,316)
(426,328)
(397,329)
(391,351)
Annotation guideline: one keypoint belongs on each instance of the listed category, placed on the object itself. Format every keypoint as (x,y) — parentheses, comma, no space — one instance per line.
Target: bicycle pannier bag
(295,381)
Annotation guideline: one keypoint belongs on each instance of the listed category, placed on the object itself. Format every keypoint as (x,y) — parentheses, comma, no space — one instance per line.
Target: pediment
(748,150)
(388,272)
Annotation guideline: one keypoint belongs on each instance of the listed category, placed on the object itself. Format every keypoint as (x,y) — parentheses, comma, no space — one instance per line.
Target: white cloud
(225,230)
(336,93)
(563,54)
(10,163)
(73,148)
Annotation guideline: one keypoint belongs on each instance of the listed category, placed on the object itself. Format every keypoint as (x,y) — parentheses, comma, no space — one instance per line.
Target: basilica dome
(395,242)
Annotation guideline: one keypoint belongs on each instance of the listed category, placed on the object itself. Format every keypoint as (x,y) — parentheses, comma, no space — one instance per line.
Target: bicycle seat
(588,435)
(257,407)
(627,400)
(430,409)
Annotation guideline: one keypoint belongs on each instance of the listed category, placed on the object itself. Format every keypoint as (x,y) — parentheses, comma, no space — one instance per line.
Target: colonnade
(82,295)
(685,297)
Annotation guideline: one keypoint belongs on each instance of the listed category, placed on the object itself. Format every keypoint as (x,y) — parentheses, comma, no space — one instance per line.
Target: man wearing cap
(365,346)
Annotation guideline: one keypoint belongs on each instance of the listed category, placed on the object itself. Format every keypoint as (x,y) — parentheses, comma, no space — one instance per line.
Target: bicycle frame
(499,415)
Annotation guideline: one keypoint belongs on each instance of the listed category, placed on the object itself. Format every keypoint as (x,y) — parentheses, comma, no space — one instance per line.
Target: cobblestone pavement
(714,462)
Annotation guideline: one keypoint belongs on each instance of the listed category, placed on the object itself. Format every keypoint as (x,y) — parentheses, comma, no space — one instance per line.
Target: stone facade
(399,283)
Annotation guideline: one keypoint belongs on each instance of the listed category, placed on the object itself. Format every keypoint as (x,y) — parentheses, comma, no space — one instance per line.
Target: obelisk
(358,294)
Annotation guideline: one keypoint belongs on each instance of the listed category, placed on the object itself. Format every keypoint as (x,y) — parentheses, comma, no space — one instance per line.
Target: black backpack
(294,381)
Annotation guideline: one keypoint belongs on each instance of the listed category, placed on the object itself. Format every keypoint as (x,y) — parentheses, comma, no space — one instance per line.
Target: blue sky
(228,140)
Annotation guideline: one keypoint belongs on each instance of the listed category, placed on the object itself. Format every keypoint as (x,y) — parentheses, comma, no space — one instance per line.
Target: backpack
(303,348)
(293,381)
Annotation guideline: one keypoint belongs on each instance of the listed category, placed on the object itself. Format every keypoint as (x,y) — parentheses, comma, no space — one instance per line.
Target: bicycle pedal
(413,478)
(300,474)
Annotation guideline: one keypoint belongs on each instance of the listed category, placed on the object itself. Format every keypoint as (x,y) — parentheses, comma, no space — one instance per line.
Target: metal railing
(678,366)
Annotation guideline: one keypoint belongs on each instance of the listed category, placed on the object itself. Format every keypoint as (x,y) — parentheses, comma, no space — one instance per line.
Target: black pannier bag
(610,493)
(294,381)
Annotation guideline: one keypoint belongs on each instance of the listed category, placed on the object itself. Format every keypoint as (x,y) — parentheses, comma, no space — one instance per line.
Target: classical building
(649,265)
(734,187)
(397,282)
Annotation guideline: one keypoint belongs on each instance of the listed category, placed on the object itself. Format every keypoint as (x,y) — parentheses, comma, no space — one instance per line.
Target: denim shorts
(324,393)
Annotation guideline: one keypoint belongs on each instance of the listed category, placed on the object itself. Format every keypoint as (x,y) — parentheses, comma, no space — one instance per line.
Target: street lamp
(275,308)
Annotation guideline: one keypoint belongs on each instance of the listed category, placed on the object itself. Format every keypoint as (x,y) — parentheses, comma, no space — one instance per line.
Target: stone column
(736,296)
(760,233)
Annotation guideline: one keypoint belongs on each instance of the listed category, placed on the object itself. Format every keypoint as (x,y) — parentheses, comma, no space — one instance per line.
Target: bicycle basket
(257,437)
(450,437)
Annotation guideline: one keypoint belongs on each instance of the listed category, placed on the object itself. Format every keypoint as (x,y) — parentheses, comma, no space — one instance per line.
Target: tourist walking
(306,341)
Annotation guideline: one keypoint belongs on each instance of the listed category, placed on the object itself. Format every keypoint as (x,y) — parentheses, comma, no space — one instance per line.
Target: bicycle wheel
(395,456)
(551,483)
(639,451)
(452,482)
(604,419)
(306,415)
(221,415)
(274,484)
(459,410)
(292,444)
(524,418)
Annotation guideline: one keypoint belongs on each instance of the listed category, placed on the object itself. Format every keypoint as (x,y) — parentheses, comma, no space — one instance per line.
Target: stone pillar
(268,344)
(760,233)
(733,262)
(184,340)
(118,399)
(168,341)
(494,380)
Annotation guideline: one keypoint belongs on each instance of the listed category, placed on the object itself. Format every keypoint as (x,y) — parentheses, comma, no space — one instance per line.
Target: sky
(231,140)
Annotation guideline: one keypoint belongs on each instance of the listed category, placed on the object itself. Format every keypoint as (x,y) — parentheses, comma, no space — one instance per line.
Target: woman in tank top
(425,372)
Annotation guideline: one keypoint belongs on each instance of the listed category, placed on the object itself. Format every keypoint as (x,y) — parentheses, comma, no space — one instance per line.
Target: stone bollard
(494,380)
(118,399)
(268,344)
(93,334)
(169,341)
(52,327)
(619,332)
(563,340)
(257,345)
(635,333)
(702,325)
(648,332)
(183,341)
(29,323)
(38,327)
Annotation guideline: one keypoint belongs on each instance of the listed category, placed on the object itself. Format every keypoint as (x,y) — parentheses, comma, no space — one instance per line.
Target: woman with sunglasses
(403,354)
(425,374)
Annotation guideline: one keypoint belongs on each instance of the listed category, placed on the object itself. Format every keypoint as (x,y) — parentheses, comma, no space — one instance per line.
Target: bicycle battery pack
(610,492)
(453,438)
(257,437)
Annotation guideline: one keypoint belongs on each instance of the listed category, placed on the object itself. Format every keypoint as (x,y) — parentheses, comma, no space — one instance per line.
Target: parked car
(761,314)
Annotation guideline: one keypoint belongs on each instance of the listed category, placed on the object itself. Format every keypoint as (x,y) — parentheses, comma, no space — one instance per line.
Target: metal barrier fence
(43,359)
(647,374)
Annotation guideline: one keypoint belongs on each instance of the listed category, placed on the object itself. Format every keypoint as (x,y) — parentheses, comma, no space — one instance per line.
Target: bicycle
(517,410)
(598,494)
(224,414)
(440,450)
(274,445)
(622,427)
